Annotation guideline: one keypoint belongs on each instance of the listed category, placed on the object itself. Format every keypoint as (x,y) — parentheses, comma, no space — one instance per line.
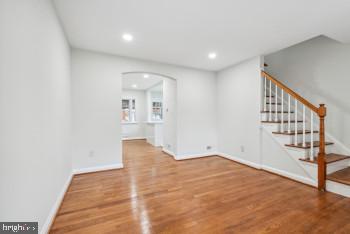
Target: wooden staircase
(303,126)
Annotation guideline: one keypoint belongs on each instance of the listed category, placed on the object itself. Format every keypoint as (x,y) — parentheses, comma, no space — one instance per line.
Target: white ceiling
(183,32)
(142,83)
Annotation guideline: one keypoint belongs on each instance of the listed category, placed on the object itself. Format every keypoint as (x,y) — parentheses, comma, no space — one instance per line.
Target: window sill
(155,122)
(129,122)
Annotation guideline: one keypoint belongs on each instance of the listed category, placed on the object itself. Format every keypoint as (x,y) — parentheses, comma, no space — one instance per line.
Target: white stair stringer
(295,155)
(299,153)
(309,168)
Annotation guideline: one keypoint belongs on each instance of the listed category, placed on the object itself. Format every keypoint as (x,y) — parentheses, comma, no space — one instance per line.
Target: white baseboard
(189,156)
(133,138)
(168,152)
(292,176)
(248,163)
(98,168)
(47,225)
(49,220)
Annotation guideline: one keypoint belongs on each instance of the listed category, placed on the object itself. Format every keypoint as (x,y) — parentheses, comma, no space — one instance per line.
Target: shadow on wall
(318,70)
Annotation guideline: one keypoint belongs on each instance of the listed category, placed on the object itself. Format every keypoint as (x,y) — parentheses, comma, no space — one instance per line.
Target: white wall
(169,116)
(35,157)
(239,91)
(136,130)
(96,89)
(275,157)
(238,108)
(318,69)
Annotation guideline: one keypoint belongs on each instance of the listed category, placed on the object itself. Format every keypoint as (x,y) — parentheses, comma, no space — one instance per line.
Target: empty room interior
(174,116)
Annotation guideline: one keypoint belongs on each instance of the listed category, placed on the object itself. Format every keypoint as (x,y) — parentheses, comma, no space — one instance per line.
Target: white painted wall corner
(169,152)
(51,217)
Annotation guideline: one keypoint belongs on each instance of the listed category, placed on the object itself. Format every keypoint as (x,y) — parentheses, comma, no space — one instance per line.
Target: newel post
(322,150)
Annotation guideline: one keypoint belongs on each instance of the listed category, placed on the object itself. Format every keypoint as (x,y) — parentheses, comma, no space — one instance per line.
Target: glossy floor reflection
(156,194)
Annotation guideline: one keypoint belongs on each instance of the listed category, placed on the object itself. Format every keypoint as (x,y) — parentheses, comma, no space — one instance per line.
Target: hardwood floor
(156,194)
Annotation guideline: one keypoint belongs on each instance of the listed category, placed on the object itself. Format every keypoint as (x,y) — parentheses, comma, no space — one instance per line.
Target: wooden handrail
(291,92)
(321,112)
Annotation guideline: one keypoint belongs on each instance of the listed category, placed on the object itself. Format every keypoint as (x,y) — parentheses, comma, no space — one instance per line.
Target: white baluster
(312,136)
(265,93)
(296,123)
(270,105)
(276,108)
(288,113)
(282,113)
(304,125)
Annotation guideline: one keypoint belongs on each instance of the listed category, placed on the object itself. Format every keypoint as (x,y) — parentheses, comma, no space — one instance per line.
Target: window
(128,110)
(157,111)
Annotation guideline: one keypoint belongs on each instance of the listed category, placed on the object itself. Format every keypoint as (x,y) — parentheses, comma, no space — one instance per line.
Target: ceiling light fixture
(212,55)
(134,86)
(146,76)
(127,37)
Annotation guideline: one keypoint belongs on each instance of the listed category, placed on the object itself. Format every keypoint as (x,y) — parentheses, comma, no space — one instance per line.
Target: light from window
(128,110)
(157,111)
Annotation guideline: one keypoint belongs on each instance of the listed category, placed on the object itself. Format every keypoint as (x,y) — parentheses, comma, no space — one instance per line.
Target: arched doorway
(149,110)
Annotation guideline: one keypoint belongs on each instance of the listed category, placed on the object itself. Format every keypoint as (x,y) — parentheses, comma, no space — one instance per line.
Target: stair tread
(293,132)
(308,145)
(279,121)
(274,112)
(341,176)
(330,158)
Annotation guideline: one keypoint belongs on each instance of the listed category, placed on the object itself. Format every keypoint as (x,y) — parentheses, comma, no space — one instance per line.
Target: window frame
(131,110)
(153,107)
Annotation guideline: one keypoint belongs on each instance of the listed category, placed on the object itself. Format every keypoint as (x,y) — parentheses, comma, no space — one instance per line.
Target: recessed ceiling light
(146,76)
(127,37)
(212,55)
(134,86)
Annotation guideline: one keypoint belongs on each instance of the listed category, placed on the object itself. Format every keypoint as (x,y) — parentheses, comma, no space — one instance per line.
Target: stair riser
(305,153)
(338,188)
(331,167)
(336,166)
(276,127)
(290,139)
(265,116)
(279,107)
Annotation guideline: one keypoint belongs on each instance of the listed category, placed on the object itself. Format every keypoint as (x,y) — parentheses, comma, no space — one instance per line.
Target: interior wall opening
(148,109)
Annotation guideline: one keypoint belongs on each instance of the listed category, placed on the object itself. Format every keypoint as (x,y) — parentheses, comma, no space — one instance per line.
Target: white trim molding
(51,217)
(133,138)
(189,156)
(239,160)
(168,152)
(292,176)
(98,168)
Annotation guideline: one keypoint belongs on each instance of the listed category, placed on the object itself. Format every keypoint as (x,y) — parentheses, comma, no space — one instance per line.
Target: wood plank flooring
(156,194)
